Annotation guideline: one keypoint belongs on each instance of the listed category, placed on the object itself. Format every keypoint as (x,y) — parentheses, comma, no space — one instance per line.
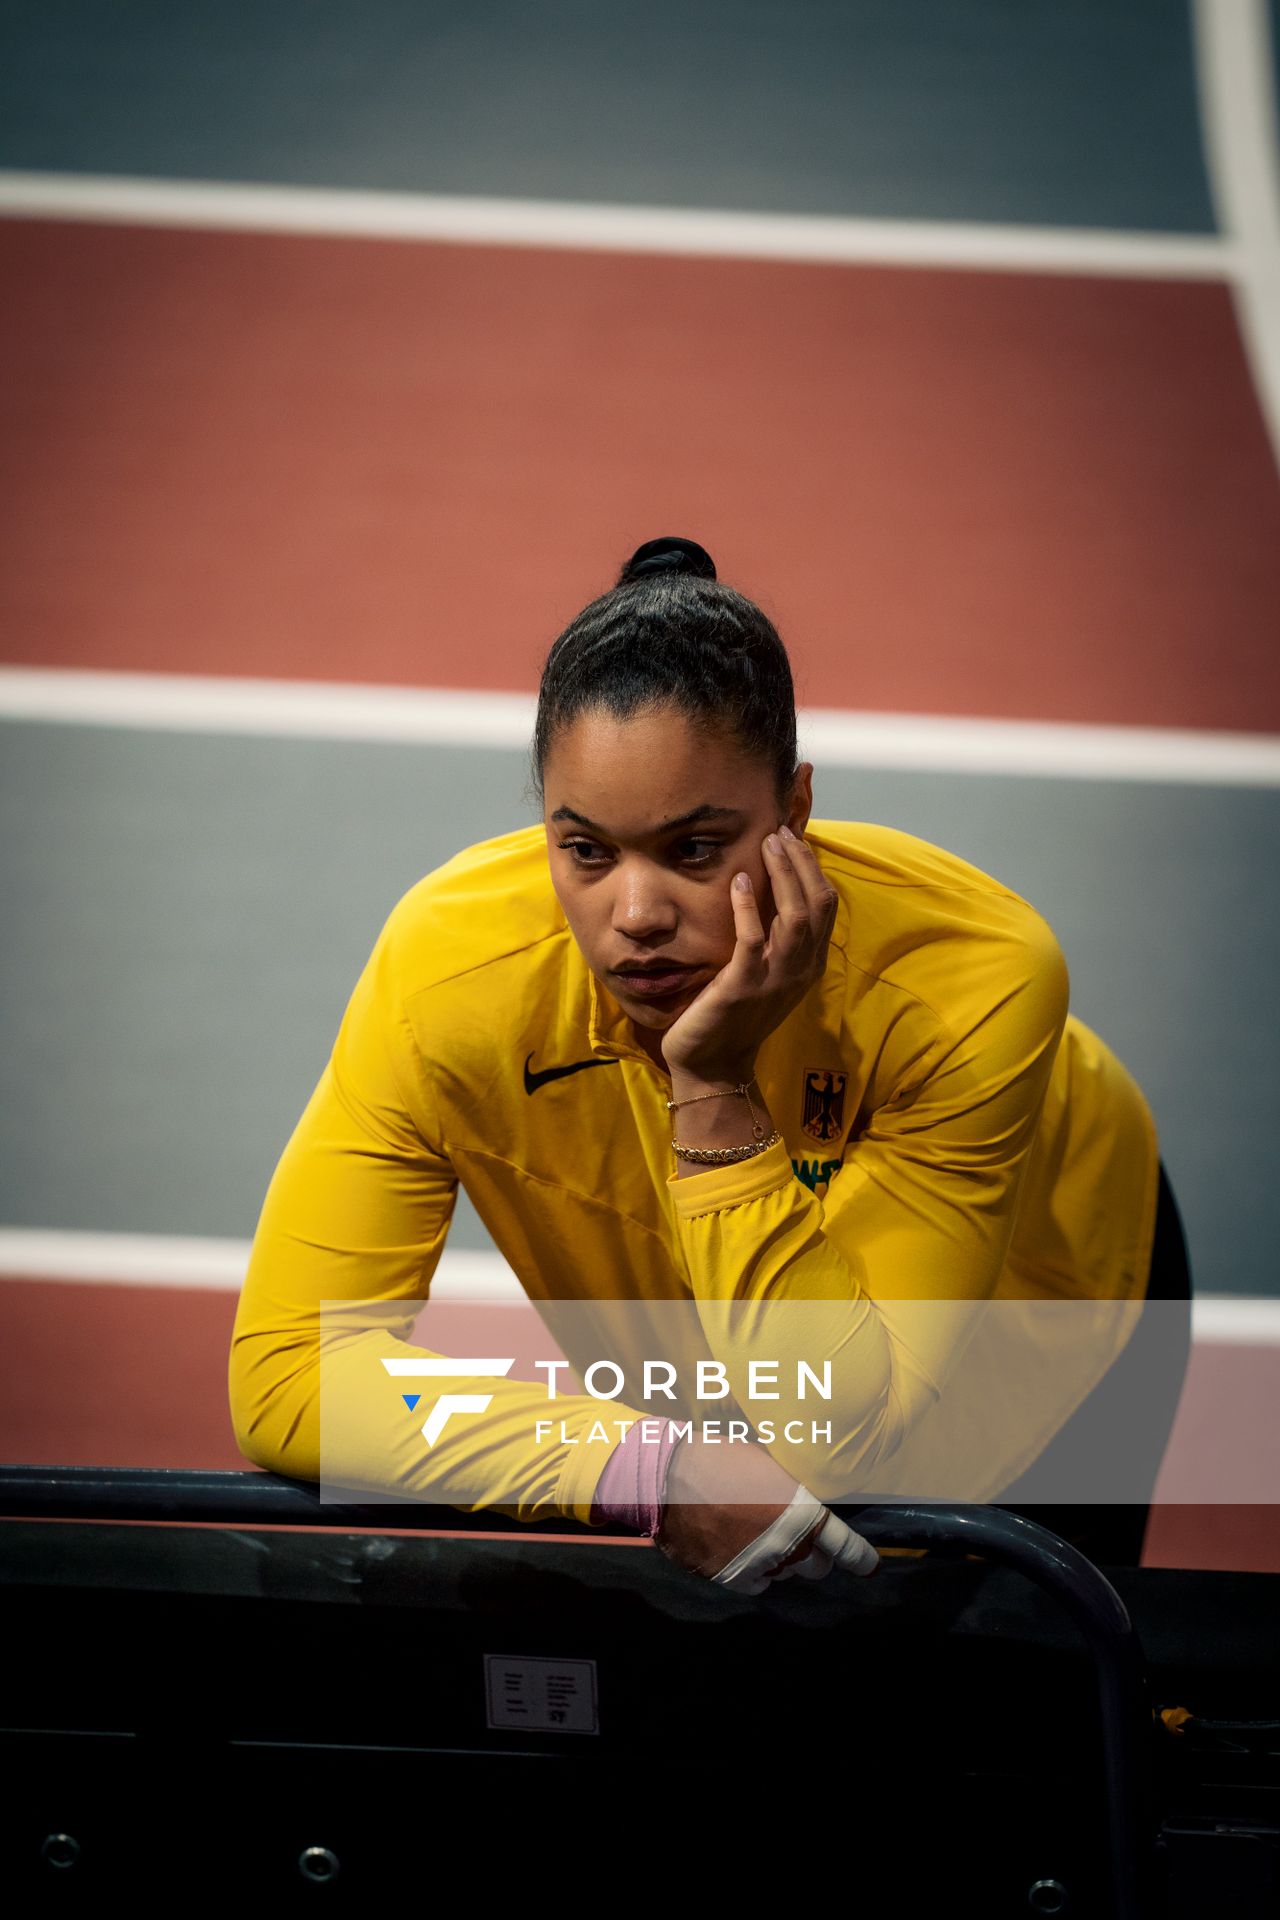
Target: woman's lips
(657,986)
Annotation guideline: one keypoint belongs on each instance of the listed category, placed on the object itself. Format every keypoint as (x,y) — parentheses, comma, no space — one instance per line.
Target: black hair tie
(671,554)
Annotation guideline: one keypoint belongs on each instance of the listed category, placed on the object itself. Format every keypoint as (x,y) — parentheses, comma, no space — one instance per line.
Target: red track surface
(1012,495)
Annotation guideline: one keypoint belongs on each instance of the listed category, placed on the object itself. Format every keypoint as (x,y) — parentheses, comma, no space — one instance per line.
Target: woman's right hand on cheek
(736,1517)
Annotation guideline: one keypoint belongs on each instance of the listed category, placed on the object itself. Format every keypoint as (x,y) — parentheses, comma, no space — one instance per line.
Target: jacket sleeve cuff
(732,1184)
(585,1463)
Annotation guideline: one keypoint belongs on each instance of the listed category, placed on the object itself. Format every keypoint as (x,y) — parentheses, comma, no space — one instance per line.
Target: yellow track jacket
(964,1196)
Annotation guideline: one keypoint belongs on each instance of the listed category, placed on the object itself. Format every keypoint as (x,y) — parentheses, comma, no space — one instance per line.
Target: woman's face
(648,820)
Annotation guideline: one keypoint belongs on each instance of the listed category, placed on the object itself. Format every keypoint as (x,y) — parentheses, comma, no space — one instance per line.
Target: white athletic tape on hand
(835,1544)
(847,1548)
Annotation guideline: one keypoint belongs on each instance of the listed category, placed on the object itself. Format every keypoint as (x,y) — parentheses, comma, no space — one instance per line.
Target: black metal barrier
(231,1499)
(951,1533)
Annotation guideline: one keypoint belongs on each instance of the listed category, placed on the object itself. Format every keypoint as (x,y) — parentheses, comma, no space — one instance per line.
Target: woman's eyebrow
(682,820)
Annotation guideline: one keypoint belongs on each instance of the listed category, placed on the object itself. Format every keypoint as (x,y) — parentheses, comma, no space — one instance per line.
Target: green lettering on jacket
(811,1171)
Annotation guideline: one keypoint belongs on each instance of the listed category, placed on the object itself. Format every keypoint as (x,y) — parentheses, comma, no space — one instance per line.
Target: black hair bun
(671,554)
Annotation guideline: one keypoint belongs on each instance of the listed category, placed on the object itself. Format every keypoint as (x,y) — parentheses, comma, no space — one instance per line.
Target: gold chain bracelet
(723,1093)
(716,1156)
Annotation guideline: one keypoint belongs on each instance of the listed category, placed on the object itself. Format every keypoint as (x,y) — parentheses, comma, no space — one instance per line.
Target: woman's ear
(801,803)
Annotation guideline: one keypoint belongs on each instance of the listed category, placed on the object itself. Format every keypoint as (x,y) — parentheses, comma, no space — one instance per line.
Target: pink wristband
(633,1485)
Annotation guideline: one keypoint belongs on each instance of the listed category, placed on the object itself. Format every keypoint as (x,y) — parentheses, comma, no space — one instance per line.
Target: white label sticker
(528,1690)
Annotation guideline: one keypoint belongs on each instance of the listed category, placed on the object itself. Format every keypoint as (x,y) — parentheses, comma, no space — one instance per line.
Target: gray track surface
(187,914)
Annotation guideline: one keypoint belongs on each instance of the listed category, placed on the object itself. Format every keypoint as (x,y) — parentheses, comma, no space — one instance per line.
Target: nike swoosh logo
(532,1081)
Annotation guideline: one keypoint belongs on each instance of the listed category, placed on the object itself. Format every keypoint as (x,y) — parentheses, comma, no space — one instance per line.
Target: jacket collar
(610,1032)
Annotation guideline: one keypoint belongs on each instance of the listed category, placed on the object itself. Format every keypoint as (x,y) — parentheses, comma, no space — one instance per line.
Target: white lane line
(447,717)
(1234,1320)
(1038,749)
(156,1260)
(710,232)
(1242,149)
(311,709)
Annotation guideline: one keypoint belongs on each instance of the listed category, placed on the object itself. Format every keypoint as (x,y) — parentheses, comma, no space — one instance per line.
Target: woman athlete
(846,1121)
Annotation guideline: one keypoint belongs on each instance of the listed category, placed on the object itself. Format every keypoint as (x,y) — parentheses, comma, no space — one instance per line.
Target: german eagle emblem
(823,1117)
